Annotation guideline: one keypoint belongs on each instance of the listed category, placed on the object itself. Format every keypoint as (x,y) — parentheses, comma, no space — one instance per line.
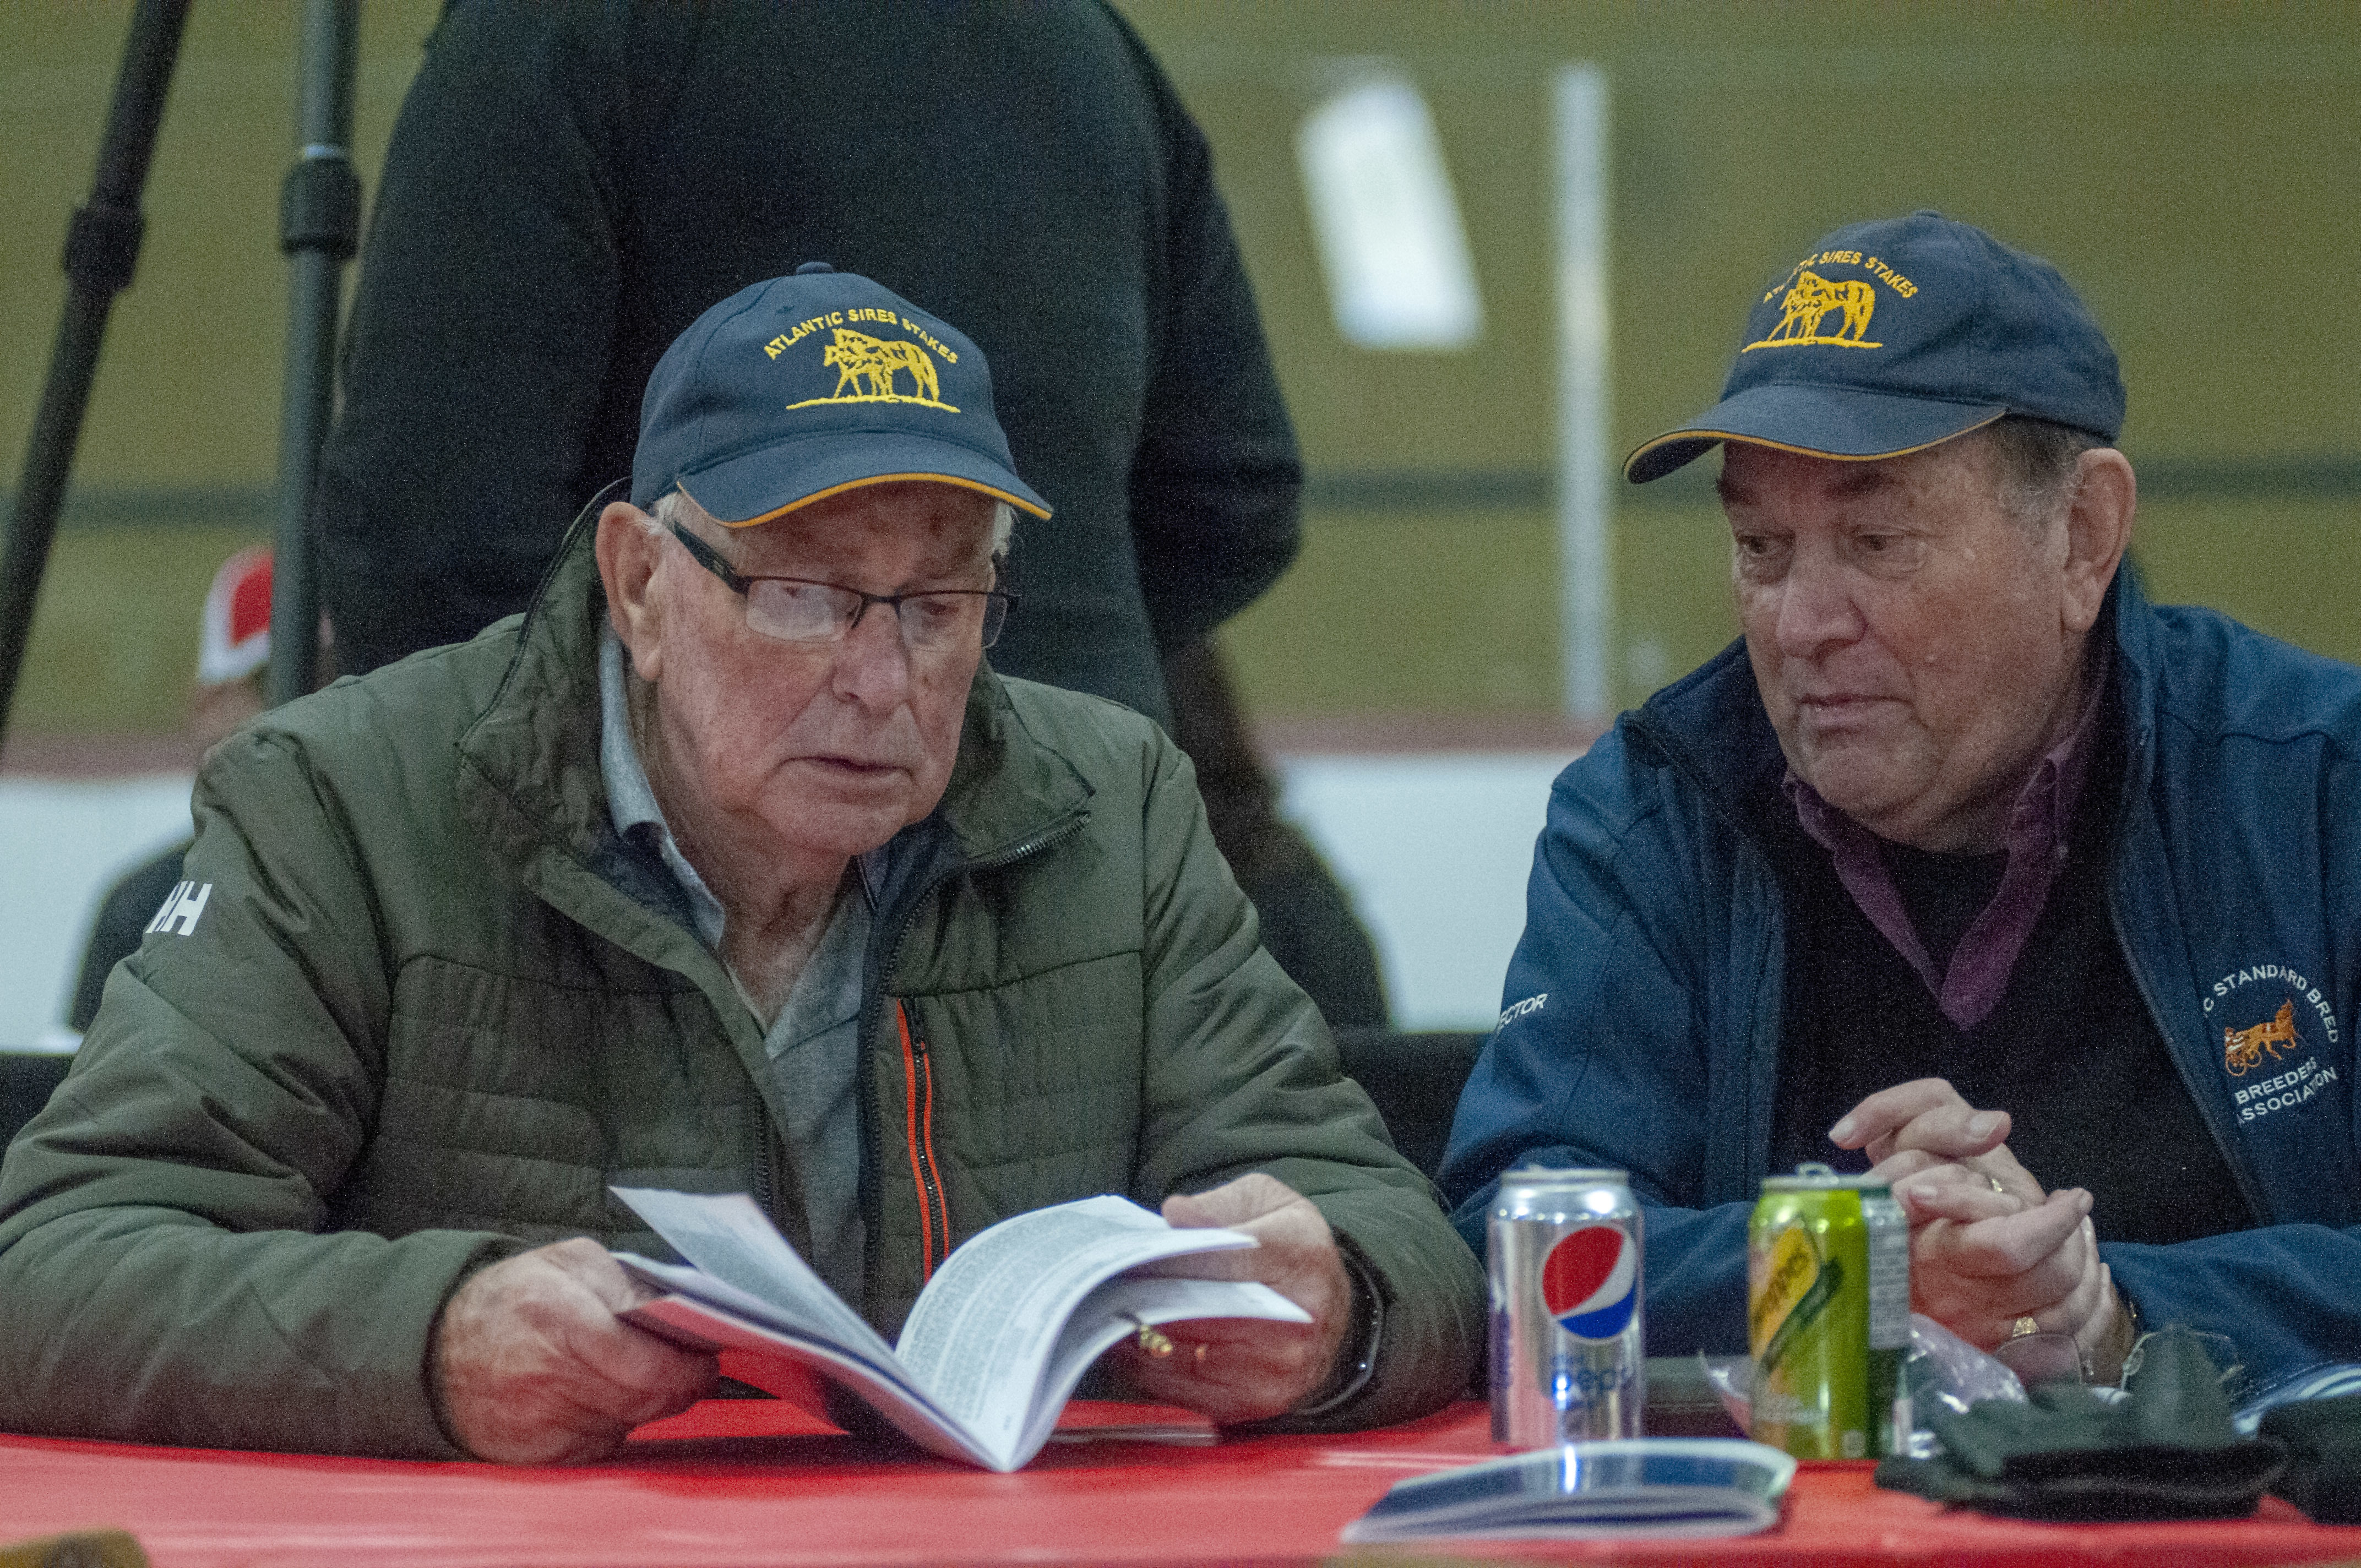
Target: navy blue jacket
(1643,1007)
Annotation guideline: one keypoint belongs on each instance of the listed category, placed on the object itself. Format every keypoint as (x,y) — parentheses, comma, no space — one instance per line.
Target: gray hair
(675,506)
(2034,466)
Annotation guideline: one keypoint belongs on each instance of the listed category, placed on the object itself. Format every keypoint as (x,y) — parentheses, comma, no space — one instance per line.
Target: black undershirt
(2069,1051)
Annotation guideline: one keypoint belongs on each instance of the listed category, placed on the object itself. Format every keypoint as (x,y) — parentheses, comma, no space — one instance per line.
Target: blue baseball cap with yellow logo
(798,389)
(1898,334)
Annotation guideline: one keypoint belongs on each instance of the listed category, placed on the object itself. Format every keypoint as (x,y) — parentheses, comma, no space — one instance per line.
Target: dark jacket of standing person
(568,186)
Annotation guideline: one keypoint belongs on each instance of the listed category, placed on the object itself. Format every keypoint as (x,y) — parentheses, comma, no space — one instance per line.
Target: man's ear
(627,555)
(2098,532)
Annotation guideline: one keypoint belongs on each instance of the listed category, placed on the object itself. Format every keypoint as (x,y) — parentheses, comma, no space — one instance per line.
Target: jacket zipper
(765,1151)
(919,1120)
(919,1079)
(2236,1159)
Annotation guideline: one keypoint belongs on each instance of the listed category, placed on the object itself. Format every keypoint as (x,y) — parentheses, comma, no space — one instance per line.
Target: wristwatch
(1358,1362)
(2123,1336)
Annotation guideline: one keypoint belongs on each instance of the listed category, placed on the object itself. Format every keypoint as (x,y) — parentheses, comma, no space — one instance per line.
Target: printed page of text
(979,1338)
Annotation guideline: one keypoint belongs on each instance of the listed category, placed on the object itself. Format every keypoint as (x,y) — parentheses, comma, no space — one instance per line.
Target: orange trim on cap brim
(1024,506)
(1710,437)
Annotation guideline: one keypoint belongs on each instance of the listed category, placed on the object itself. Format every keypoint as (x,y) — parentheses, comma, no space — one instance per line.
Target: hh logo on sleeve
(181,908)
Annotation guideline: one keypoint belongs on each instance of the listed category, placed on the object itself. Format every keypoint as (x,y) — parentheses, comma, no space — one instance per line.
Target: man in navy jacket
(1966,865)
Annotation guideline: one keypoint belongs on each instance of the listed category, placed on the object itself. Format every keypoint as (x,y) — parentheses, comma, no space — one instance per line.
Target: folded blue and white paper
(1635,1486)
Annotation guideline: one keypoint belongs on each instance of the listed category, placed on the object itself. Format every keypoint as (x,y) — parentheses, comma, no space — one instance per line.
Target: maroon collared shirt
(1969,984)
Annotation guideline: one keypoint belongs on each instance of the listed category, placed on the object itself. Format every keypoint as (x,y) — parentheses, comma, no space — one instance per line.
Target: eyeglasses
(796,610)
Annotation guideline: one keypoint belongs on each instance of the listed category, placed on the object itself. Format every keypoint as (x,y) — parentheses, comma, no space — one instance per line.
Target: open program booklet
(998,1338)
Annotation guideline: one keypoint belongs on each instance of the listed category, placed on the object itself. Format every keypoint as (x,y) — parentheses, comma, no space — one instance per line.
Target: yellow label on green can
(1807,1321)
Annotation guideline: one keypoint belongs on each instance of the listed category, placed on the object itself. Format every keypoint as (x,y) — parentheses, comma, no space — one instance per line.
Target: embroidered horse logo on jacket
(2242,1049)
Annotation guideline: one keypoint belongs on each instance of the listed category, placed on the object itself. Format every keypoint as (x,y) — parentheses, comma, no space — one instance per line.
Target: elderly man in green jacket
(731,866)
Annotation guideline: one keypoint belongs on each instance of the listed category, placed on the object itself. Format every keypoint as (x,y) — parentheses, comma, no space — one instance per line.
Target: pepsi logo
(1590,1282)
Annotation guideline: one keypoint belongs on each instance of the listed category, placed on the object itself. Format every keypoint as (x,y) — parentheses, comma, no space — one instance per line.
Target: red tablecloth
(719,1486)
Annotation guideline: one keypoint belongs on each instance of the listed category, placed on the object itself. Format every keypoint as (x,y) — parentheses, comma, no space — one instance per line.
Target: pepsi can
(1563,1253)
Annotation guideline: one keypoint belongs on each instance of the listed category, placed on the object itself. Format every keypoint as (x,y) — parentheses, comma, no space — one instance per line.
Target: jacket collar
(531,779)
(2125,616)
(1711,726)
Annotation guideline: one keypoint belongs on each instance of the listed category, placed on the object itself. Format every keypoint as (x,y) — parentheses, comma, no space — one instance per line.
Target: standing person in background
(569,187)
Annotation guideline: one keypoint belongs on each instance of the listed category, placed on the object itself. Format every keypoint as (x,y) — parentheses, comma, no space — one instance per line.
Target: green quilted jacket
(418,1005)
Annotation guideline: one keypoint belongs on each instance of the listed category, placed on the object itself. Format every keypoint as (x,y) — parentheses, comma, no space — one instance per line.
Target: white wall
(1434,851)
(63,844)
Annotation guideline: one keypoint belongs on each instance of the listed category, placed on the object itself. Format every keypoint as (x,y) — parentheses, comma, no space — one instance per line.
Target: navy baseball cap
(794,389)
(1899,334)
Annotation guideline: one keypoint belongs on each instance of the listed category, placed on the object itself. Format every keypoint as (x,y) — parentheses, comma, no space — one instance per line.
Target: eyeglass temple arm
(707,556)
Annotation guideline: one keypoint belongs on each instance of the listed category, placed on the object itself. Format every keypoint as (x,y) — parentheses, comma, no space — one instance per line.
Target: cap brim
(749,488)
(1842,423)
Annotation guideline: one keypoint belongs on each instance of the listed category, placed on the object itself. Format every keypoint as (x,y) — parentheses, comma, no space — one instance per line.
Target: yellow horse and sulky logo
(1812,299)
(2276,1059)
(2242,1049)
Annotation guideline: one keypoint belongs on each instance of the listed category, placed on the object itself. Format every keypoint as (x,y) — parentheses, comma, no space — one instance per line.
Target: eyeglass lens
(820,612)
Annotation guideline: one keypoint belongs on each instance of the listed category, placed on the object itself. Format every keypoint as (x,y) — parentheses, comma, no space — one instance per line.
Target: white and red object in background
(235,639)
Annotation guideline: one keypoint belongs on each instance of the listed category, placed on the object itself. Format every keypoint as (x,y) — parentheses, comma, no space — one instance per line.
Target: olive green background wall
(2194,171)
(181,446)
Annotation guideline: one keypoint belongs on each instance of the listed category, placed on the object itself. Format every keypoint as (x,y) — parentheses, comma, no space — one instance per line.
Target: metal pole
(1585,559)
(319,224)
(101,254)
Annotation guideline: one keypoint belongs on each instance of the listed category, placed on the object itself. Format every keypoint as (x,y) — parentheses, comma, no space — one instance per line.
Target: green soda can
(1828,1261)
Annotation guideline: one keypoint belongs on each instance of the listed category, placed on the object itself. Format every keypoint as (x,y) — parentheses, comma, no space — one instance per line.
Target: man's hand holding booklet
(998,1339)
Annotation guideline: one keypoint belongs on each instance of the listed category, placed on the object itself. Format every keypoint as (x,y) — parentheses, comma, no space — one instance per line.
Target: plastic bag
(1937,1366)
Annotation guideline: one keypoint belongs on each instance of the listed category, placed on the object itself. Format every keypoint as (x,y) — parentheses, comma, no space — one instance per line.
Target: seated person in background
(731,866)
(1966,862)
(233,657)
(1307,921)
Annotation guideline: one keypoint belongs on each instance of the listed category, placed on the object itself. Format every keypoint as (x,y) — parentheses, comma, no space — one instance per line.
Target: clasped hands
(531,1363)
(1988,1246)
